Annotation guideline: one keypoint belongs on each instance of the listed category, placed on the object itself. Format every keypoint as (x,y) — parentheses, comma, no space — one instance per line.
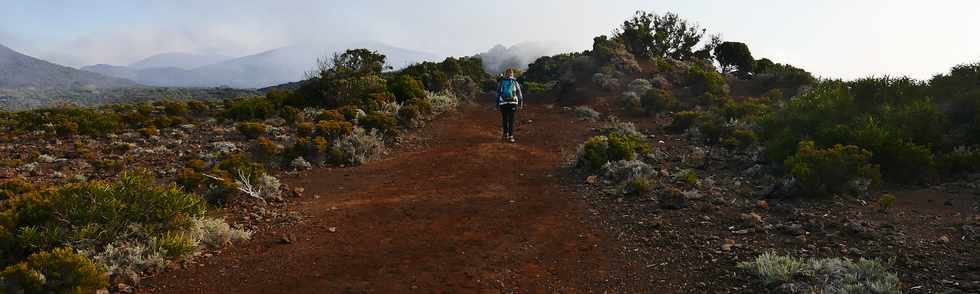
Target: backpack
(508,89)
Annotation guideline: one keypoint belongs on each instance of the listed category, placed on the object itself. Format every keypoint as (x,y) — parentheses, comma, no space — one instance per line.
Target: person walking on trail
(509,100)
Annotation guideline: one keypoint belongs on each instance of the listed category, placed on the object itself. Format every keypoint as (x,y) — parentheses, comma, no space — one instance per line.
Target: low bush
(382,122)
(443,102)
(333,129)
(252,108)
(657,101)
(587,113)
(252,130)
(330,115)
(13,187)
(823,172)
(682,121)
(68,121)
(60,270)
(406,87)
(360,147)
(827,275)
(599,150)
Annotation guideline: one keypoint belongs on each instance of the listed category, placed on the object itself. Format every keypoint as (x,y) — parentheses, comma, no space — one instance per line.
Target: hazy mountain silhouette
(273,67)
(179,60)
(21,71)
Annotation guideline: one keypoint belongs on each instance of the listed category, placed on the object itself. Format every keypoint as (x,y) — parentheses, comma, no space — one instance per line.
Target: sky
(831,38)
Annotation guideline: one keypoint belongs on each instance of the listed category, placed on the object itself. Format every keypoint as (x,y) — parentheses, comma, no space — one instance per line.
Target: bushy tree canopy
(734,55)
(648,34)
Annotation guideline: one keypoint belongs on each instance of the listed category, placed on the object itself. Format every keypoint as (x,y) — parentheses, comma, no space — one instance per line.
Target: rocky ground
(736,212)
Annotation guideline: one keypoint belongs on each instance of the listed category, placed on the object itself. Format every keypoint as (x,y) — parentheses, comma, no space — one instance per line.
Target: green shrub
(358,148)
(683,120)
(406,87)
(176,108)
(329,115)
(252,108)
(707,85)
(59,271)
(638,186)
(658,100)
(599,150)
(827,275)
(198,106)
(70,120)
(305,129)
(95,214)
(188,179)
(251,130)
(150,131)
(734,55)
(960,160)
(334,129)
(13,187)
(886,201)
(823,172)
(383,122)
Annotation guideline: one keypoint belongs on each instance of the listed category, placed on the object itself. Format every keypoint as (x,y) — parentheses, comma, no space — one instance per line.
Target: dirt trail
(459,212)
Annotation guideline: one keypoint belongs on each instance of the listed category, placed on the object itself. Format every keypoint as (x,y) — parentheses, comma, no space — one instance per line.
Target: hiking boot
(511,139)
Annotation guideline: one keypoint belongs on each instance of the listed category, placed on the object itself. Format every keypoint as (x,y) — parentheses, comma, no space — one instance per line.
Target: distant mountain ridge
(179,60)
(18,70)
(269,68)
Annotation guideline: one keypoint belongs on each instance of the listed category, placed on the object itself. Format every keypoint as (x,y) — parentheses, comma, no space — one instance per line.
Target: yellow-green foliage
(69,120)
(406,87)
(305,128)
(35,225)
(267,149)
(708,85)
(252,130)
(12,187)
(60,270)
(383,122)
(150,131)
(886,201)
(599,150)
(689,177)
(823,172)
(175,108)
(329,115)
(638,186)
(334,128)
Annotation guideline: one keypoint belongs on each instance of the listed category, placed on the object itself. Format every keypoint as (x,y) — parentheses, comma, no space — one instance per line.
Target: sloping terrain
(454,210)
(20,71)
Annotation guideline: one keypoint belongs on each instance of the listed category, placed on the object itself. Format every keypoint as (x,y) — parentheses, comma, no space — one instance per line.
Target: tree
(648,34)
(345,77)
(734,55)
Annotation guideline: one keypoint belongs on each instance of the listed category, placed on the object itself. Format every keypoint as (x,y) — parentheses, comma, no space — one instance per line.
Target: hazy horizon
(835,39)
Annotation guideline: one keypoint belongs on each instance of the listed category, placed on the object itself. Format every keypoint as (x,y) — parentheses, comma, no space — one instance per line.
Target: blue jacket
(518,95)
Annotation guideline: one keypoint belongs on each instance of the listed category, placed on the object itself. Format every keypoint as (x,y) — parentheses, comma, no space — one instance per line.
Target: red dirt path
(457,212)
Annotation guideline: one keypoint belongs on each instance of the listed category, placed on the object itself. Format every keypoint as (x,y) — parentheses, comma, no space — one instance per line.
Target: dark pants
(507,114)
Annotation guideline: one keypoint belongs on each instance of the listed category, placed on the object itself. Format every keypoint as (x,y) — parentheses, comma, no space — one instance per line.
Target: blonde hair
(509,71)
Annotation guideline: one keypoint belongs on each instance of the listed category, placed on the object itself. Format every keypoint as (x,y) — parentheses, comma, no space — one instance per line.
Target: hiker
(509,100)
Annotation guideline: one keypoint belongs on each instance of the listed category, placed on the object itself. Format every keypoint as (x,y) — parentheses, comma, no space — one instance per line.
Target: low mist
(499,58)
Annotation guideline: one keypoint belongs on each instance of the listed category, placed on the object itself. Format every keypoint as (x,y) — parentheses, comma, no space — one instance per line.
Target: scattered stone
(944,239)
(287,239)
(729,243)
(752,219)
(297,192)
(123,288)
(592,180)
(332,229)
(301,164)
(794,229)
